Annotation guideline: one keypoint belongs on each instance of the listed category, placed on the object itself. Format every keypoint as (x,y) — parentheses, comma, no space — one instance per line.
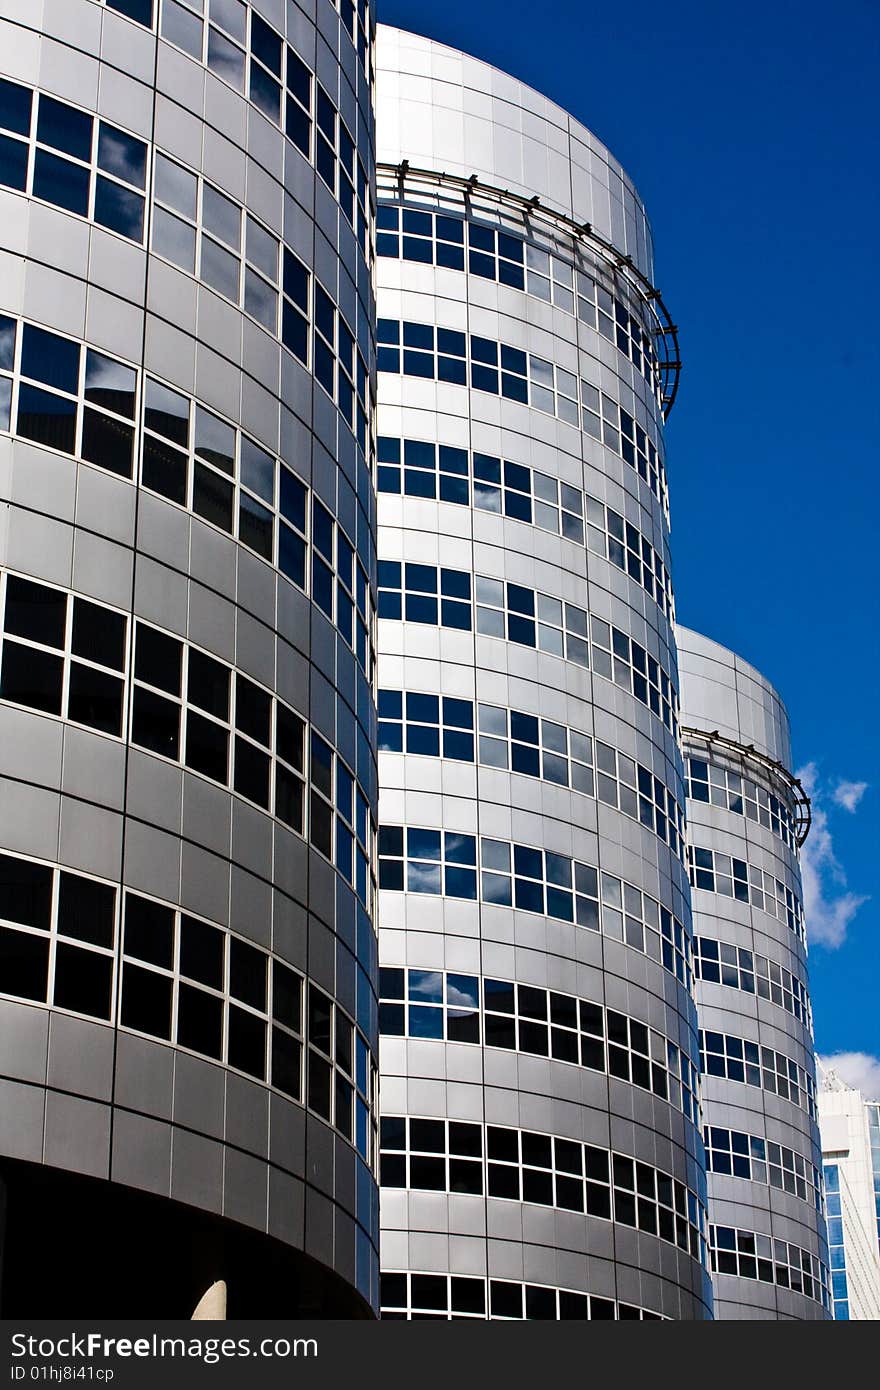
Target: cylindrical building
(540,1145)
(747,817)
(187,738)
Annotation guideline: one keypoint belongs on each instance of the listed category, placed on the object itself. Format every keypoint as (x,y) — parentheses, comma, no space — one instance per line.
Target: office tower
(747,816)
(187,1028)
(849,1127)
(540,1149)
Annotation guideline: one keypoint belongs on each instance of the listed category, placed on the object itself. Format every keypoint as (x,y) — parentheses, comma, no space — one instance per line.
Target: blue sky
(752,134)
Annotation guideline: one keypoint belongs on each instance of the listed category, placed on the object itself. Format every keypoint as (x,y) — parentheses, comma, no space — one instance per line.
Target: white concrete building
(850,1129)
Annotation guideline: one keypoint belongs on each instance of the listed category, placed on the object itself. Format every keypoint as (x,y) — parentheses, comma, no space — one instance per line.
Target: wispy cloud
(858,1069)
(849,794)
(829,906)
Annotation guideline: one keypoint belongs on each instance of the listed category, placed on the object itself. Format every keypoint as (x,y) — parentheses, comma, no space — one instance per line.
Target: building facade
(187,744)
(540,1146)
(747,816)
(850,1130)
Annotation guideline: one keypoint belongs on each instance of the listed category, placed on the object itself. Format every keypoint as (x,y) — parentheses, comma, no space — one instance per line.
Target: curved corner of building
(747,818)
(187,756)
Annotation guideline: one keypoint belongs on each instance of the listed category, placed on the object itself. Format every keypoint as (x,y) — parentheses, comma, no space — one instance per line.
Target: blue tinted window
(424,708)
(425,1022)
(390,704)
(390,737)
(456,615)
(292,556)
(529,896)
(461,883)
(62,183)
(13,163)
(459,713)
(15,107)
(122,155)
(423,740)
(418,335)
(423,844)
(388,450)
(523,727)
(139,10)
(119,209)
(48,358)
(421,609)
(449,341)
(455,584)
(528,861)
(64,128)
(418,364)
(389,574)
(460,849)
(47,418)
(458,746)
(422,578)
(293,499)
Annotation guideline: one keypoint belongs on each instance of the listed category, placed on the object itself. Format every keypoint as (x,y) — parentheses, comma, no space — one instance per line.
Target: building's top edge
(691,641)
(525,95)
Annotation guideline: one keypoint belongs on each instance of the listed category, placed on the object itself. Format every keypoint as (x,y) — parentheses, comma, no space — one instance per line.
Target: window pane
(215,440)
(174,239)
(181,27)
(48,358)
(119,209)
(167,413)
(13,163)
(35,611)
(257,469)
(110,384)
(212,497)
(46,418)
(220,269)
(30,677)
(24,964)
(225,59)
(95,699)
(122,155)
(98,634)
(62,183)
(176,186)
(64,128)
(83,981)
(15,107)
(221,217)
(25,892)
(107,443)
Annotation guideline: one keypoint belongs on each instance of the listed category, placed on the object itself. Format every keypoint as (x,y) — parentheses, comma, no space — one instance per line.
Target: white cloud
(849,794)
(858,1069)
(829,906)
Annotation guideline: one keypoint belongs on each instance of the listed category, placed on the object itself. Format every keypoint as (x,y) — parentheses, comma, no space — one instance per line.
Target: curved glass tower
(187,767)
(747,817)
(540,1148)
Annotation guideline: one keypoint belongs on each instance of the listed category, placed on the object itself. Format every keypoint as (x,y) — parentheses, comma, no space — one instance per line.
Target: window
(62,655)
(53,914)
(734,878)
(422,594)
(428,1004)
(492,254)
(81,164)
(753,1256)
(738,968)
(737,1059)
(522,1166)
(534,880)
(465,1296)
